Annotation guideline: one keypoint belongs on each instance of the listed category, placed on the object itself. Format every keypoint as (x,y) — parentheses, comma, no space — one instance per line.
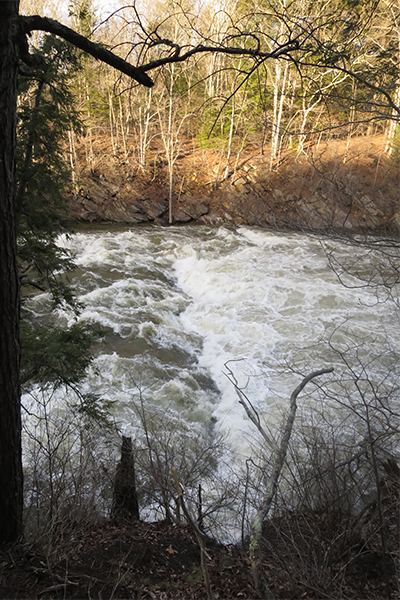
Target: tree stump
(125,500)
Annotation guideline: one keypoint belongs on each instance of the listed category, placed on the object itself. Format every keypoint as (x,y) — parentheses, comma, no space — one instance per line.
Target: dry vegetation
(329,186)
(347,549)
(306,553)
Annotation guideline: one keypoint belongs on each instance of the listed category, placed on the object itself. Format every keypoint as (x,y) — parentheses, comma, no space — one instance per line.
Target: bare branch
(200,536)
(284,49)
(256,554)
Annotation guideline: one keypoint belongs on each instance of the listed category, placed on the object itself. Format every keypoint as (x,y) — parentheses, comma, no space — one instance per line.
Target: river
(183,305)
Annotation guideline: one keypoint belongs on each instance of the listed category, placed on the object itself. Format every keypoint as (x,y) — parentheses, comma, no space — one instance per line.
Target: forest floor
(304,559)
(131,560)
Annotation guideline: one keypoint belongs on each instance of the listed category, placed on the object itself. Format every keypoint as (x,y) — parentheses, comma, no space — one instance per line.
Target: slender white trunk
(170,146)
(303,136)
(230,137)
(114,140)
(313,104)
(395,115)
(72,160)
(122,127)
(279,98)
(89,148)
(351,122)
(89,152)
(393,124)
(144,123)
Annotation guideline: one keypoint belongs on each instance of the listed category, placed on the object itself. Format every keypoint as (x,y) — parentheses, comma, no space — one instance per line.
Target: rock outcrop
(328,189)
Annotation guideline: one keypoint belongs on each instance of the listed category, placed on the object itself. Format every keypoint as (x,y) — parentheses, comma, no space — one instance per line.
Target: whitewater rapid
(181,305)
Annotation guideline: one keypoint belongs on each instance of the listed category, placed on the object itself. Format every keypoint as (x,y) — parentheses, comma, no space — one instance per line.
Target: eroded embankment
(327,187)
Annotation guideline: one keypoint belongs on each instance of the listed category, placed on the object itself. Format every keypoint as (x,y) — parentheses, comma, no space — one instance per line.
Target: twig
(200,536)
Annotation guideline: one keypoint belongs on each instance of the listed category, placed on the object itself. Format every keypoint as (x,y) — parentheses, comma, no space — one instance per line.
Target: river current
(182,306)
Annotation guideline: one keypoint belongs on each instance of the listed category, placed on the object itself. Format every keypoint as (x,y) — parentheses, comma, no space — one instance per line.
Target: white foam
(198,298)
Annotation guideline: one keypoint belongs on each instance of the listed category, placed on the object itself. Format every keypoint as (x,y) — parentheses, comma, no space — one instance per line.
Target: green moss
(195,576)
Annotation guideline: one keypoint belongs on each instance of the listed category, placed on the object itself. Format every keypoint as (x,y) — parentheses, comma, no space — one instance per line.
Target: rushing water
(179,303)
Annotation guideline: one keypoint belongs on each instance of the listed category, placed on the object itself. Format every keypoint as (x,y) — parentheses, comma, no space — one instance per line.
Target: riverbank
(335,186)
(160,561)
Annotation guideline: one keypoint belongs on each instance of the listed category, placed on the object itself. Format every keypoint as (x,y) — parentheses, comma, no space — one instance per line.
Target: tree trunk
(11,497)
(12,29)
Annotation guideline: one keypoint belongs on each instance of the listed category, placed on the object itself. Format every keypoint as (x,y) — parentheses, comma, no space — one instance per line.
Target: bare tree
(279,452)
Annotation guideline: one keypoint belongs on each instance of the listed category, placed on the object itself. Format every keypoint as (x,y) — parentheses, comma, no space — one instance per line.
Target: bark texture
(11,498)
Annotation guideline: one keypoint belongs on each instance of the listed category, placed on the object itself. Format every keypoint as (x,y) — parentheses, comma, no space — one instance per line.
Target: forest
(334,76)
(218,113)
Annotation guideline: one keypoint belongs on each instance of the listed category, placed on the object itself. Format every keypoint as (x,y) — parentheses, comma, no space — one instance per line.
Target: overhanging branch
(27,24)
(33,23)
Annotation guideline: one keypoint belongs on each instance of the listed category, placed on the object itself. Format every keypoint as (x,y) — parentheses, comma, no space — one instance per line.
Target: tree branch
(372,86)
(231,51)
(256,553)
(33,23)
(200,536)
(27,24)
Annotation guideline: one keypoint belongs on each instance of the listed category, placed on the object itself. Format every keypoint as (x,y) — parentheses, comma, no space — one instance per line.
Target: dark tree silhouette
(10,420)
(13,51)
(125,500)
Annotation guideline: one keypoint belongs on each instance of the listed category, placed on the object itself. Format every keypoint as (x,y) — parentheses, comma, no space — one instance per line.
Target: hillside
(332,186)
